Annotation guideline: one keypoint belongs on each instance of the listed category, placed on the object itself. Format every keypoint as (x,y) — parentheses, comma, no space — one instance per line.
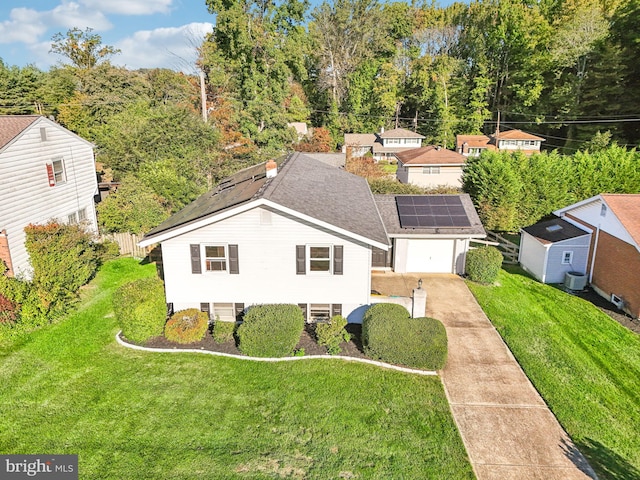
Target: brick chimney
(272,169)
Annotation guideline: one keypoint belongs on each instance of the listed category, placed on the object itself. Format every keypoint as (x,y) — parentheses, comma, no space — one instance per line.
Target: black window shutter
(234,267)
(196,265)
(337,260)
(303,308)
(300,259)
(204,307)
(336,309)
(239,311)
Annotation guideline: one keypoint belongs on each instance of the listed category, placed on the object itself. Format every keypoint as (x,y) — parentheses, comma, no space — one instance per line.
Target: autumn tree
(83,48)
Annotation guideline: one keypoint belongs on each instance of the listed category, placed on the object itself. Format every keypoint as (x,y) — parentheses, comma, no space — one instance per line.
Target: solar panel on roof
(431,211)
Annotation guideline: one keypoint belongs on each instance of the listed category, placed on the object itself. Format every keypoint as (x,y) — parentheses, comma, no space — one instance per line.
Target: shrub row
(223,331)
(390,335)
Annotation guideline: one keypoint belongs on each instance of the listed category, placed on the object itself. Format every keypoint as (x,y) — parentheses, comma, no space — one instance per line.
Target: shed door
(430,256)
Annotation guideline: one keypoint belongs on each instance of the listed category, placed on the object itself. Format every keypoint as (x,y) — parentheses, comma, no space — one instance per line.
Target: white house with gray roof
(383,145)
(294,231)
(46,173)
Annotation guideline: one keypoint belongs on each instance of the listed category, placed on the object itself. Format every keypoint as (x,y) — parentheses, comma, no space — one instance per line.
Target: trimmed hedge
(140,309)
(330,334)
(483,264)
(390,335)
(223,331)
(187,326)
(270,330)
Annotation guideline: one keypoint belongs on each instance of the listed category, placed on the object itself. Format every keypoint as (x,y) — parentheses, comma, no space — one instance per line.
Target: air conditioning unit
(617,301)
(575,280)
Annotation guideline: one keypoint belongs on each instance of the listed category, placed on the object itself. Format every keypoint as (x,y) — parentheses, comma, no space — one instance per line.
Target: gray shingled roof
(303,184)
(400,133)
(389,213)
(560,230)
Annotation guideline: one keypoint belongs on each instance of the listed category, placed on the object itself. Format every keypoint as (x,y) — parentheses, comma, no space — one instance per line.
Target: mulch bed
(352,348)
(609,308)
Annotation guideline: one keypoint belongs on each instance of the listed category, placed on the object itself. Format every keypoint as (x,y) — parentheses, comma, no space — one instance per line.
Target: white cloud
(174,47)
(26,25)
(130,7)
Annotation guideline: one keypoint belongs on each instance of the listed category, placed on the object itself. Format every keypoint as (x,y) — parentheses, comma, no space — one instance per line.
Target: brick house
(614,254)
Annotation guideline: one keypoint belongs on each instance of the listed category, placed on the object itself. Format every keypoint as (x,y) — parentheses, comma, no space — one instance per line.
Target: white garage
(429,233)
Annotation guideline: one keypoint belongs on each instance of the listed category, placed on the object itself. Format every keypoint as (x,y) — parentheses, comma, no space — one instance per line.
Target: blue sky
(150,33)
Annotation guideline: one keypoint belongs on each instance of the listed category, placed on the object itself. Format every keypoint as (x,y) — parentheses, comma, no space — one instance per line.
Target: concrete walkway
(506,427)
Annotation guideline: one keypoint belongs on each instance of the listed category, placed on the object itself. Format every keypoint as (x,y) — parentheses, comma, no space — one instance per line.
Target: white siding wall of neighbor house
(451,176)
(519,145)
(267,260)
(533,256)
(429,255)
(26,197)
(402,142)
(592,213)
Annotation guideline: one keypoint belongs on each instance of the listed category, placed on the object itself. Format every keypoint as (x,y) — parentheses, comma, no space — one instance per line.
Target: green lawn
(584,364)
(71,389)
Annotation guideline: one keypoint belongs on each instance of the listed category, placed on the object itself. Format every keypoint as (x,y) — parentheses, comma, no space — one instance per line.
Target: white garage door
(431,256)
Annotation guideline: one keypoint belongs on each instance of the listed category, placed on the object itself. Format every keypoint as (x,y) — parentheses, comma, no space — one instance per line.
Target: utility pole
(203,97)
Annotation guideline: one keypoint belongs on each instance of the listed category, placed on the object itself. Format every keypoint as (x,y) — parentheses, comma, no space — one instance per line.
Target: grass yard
(584,364)
(135,415)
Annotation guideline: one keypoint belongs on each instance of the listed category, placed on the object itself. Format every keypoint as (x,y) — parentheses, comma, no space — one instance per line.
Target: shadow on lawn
(604,461)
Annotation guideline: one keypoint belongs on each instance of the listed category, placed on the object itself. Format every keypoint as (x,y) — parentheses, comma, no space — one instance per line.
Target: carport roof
(389,212)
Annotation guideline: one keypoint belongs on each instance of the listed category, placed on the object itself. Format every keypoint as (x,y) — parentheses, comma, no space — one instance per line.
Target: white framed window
(392,141)
(431,170)
(72,218)
(58,171)
(319,259)
(215,258)
(82,215)
(43,134)
(319,312)
(567,257)
(224,311)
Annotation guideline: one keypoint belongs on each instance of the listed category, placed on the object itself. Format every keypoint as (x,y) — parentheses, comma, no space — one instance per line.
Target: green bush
(140,309)
(330,334)
(107,250)
(270,330)
(483,264)
(187,326)
(388,334)
(223,331)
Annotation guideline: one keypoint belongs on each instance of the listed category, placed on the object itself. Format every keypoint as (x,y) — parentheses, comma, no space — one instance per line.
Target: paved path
(506,427)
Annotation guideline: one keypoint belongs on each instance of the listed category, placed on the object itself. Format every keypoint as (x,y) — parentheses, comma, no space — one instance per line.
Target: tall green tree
(83,48)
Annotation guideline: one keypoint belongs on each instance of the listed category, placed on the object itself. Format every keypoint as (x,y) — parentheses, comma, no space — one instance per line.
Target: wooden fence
(509,250)
(128,243)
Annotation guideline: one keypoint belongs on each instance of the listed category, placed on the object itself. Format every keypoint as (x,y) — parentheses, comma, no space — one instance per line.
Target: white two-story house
(511,140)
(382,146)
(46,173)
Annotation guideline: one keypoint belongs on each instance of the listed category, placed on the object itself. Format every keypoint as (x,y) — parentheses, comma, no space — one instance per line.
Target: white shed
(550,249)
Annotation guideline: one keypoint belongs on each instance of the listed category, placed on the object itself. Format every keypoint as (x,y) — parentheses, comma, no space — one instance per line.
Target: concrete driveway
(507,429)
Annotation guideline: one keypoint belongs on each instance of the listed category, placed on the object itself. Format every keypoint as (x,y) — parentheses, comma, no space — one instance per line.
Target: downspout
(593,254)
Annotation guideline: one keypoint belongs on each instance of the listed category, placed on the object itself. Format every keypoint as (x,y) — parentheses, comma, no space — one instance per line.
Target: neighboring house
(46,173)
(301,129)
(474,145)
(383,145)
(295,231)
(551,248)
(614,257)
(430,166)
(429,233)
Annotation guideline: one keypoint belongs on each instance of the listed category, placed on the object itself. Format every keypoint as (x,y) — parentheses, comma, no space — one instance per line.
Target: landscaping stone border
(283,359)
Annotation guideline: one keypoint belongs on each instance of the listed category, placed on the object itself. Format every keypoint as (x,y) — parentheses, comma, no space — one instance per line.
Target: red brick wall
(617,270)
(4,253)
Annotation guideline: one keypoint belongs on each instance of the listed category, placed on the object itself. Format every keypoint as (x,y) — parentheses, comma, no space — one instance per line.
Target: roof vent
(271,168)
(554,228)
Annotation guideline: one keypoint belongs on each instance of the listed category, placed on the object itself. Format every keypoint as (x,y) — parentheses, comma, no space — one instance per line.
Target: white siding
(533,256)
(591,214)
(26,197)
(267,264)
(451,176)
